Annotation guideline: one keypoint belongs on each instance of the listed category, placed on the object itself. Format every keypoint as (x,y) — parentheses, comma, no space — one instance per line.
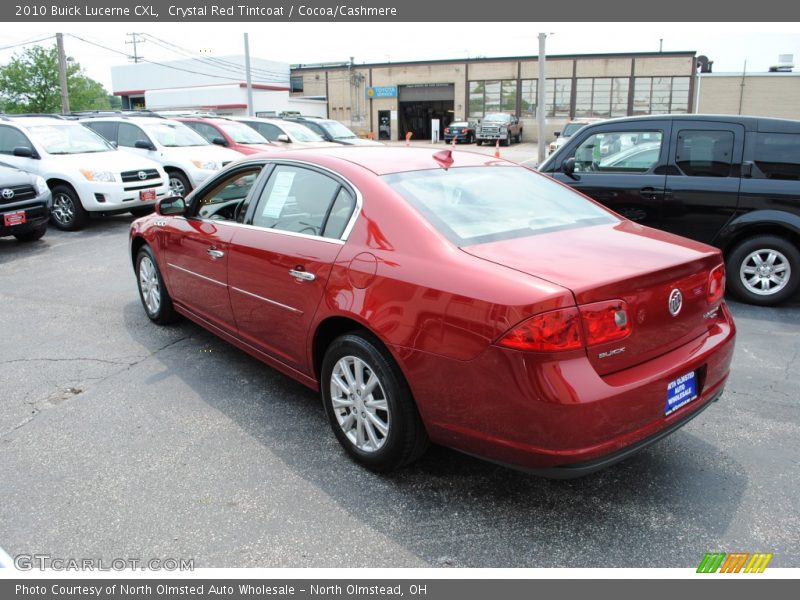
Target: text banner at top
(397,11)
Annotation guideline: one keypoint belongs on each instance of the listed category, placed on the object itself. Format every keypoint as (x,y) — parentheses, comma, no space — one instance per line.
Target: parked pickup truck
(499,126)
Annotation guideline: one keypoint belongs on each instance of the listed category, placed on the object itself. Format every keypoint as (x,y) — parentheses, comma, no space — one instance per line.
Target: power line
(25,43)
(135,41)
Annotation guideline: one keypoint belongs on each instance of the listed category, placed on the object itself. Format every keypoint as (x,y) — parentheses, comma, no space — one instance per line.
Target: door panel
(702,188)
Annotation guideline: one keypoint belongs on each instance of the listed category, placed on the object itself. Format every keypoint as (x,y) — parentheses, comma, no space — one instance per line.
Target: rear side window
(474,205)
(704,153)
(619,152)
(777,155)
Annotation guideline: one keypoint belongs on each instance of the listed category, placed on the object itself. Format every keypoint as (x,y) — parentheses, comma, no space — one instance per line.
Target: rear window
(778,155)
(475,205)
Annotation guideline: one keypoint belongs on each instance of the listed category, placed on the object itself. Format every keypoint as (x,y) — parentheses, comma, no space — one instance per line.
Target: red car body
(219,126)
(442,312)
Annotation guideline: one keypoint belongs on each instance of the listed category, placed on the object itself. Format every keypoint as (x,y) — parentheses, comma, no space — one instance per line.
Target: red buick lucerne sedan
(447,297)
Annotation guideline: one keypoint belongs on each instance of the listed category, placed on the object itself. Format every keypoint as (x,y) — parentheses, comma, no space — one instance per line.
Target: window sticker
(279,195)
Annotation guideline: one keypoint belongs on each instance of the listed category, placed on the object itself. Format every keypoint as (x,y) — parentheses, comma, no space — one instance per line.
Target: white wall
(222,99)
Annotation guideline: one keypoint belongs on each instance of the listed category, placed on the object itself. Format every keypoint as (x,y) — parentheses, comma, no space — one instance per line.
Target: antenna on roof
(444,158)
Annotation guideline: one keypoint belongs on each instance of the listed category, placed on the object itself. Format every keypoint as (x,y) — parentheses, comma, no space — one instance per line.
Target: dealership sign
(385,91)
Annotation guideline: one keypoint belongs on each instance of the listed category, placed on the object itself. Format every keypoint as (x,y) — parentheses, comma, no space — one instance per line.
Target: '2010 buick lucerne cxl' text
(447,297)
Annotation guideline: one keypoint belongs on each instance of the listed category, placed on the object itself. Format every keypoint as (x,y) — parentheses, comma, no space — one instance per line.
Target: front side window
(474,205)
(207,131)
(268,130)
(129,134)
(242,134)
(777,155)
(225,201)
(619,152)
(296,199)
(11,138)
(704,153)
(68,139)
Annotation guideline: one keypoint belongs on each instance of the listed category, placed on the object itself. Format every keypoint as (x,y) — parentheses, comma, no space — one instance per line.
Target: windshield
(571,128)
(242,134)
(301,133)
(173,135)
(501,117)
(68,139)
(336,130)
(475,205)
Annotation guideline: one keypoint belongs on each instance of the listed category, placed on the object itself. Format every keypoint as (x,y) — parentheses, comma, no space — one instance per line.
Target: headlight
(104,176)
(41,185)
(209,165)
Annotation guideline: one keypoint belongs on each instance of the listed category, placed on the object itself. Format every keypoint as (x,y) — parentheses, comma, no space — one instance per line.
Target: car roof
(750,123)
(384,160)
(34,121)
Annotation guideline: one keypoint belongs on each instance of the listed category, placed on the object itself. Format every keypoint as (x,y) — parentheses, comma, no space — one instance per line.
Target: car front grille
(17,193)
(131,176)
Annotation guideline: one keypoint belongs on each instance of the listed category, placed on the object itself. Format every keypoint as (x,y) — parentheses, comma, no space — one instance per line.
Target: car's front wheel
(152,291)
(369,404)
(763,270)
(67,212)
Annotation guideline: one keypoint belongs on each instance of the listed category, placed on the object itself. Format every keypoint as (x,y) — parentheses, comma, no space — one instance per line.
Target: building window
(602,97)
(296,83)
(529,97)
(660,95)
(558,97)
(492,96)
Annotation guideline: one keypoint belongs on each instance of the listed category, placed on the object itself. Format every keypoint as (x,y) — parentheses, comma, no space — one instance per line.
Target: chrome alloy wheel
(765,272)
(360,404)
(63,209)
(149,285)
(177,187)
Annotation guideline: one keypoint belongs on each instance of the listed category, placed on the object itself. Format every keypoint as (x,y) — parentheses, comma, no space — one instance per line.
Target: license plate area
(146,195)
(14,218)
(681,391)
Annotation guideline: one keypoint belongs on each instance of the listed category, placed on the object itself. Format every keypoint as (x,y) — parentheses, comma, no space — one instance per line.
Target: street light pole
(248,75)
(541,122)
(62,73)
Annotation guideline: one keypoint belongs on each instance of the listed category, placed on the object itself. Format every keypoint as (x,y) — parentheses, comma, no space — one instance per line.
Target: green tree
(29,84)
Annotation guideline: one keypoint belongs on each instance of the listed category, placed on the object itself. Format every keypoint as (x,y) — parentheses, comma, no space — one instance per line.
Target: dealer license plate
(680,392)
(146,195)
(14,218)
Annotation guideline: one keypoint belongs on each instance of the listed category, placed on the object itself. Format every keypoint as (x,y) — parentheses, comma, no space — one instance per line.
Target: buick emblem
(675,302)
(142,175)
(8,194)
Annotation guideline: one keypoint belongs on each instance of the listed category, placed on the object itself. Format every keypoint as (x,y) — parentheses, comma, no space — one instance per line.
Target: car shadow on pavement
(664,507)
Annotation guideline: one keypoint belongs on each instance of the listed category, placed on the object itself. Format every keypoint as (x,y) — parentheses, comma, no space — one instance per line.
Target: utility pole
(541,122)
(62,73)
(248,76)
(135,40)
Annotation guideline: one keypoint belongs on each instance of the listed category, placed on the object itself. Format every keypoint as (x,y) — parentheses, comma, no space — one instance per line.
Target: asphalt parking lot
(121,439)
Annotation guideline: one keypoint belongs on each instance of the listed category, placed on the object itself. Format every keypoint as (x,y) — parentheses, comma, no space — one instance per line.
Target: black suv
(730,181)
(25,203)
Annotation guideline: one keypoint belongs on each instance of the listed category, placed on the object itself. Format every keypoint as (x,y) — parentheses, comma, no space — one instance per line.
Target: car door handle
(214,253)
(302,275)
(649,193)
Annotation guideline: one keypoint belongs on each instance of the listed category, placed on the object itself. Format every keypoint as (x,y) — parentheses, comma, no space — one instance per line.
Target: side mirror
(171,205)
(144,145)
(556,134)
(568,168)
(284,138)
(25,152)
(747,169)
(219,141)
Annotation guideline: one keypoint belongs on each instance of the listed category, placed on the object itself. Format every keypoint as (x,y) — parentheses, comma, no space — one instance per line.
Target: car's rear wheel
(152,291)
(33,234)
(507,141)
(369,404)
(764,270)
(67,212)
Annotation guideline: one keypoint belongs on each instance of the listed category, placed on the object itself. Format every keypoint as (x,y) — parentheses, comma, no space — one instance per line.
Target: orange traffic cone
(408,138)
(497,149)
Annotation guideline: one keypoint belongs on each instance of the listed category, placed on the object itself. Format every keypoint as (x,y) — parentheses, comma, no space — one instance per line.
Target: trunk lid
(621,261)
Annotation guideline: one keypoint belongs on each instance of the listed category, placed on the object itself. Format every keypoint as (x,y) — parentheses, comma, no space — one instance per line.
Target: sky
(729,45)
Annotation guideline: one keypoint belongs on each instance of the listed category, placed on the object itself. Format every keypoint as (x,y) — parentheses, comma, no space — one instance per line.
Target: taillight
(552,331)
(447,130)
(605,321)
(716,284)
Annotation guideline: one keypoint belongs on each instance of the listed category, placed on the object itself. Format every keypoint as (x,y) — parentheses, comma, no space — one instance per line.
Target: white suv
(85,173)
(186,156)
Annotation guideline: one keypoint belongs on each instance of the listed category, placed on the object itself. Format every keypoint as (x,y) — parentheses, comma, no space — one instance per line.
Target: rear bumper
(557,415)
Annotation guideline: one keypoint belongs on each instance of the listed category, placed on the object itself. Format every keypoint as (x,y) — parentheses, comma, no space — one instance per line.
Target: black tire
(164,313)
(508,140)
(142,211)
(470,139)
(68,213)
(742,257)
(179,183)
(33,234)
(405,439)
(519,137)
(478,142)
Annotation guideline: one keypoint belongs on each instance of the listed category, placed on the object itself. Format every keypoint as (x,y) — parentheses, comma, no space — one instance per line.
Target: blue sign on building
(385,91)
